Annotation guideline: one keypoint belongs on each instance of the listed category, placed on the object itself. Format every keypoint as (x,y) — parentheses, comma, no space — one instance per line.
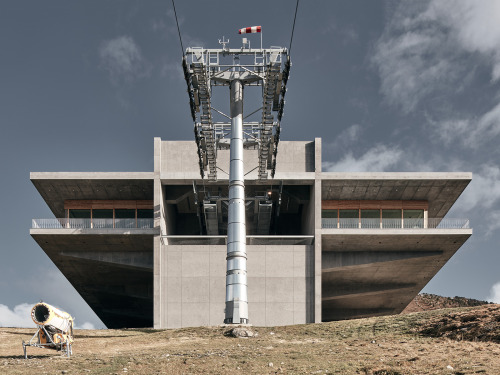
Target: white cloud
(483,191)
(20,317)
(346,137)
(412,57)
(424,46)
(494,293)
(468,131)
(123,60)
(475,25)
(376,159)
(85,325)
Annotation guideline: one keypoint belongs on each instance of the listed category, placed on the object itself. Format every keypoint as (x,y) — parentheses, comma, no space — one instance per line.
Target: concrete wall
(280,285)
(179,160)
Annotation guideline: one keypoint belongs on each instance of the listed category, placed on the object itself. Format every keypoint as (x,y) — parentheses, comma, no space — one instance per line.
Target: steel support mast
(205,69)
(236,275)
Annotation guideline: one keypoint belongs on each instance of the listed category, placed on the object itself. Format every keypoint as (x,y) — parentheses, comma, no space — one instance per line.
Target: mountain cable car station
(239,226)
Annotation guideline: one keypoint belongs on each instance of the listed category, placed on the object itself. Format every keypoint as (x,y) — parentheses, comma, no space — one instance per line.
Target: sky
(387,85)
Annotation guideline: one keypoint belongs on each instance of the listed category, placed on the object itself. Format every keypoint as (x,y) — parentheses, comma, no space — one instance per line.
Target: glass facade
(374,218)
(111,218)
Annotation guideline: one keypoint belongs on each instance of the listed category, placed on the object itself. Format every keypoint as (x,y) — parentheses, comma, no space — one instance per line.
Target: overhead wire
(293,27)
(178,29)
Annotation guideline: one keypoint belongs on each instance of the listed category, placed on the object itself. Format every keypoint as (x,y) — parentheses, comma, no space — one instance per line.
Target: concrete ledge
(88,231)
(91,175)
(397,232)
(396,175)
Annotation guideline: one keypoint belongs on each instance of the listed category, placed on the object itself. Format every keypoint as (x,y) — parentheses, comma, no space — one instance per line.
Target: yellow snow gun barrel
(44,314)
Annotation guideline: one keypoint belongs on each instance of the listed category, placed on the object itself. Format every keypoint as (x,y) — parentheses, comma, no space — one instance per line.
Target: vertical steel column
(236,275)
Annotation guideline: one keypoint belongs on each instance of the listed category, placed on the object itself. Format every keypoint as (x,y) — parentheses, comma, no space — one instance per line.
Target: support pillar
(236,275)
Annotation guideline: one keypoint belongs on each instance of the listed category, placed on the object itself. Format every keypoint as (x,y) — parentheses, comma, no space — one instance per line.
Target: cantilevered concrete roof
(56,187)
(377,271)
(112,270)
(440,189)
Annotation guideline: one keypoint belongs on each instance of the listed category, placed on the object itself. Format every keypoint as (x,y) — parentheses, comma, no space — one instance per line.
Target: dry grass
(386,345)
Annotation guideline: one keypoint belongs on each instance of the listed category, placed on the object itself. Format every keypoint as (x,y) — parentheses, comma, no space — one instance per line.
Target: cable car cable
(178,29)
(293,27)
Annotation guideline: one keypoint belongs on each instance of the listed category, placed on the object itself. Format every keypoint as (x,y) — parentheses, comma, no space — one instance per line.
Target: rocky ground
(448,341)
(426,302)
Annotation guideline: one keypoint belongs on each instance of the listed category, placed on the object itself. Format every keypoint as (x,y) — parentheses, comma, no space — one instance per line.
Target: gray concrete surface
(280,285)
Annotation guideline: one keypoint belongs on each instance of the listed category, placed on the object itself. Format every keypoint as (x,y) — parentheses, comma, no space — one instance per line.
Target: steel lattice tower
(205,69)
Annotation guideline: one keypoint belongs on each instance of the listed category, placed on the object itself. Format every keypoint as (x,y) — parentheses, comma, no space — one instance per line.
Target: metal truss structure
(206,68)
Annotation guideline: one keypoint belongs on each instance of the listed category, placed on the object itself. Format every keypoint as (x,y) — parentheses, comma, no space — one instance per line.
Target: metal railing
(65,223)
(433,223)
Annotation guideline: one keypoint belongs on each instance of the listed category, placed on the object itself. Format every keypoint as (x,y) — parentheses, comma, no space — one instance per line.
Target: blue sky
(388,85)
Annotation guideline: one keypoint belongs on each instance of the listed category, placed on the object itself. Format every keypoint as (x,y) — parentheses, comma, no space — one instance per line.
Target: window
(349,218)
(391,218)
(145,214)
(413,218)
(124,214)
(370,218)
(125,218)
(102,214)
(79,214)
(102,218)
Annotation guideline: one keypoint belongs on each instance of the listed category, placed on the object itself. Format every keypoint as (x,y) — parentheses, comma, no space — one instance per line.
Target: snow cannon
(55,329)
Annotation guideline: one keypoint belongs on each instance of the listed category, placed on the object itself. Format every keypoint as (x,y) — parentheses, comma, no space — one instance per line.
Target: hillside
(426,302)
(449,341)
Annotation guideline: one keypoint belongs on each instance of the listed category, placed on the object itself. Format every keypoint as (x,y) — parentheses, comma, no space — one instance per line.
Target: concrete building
(149,248)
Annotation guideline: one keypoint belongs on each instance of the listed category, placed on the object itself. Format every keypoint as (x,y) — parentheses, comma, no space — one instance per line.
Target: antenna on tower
(223,42)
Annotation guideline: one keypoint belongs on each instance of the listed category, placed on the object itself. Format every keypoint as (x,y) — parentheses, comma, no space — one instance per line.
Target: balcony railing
(432,223)
(65,223)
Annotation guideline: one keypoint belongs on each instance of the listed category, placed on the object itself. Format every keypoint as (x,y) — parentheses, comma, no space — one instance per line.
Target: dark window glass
(391,218)
(102,214)
(79,214)
(370,218)
(370,214)
(329,214)
(124,214)
(145,213)
(413,218)
(391,214)
(413,214)
(348,218)
(349,214)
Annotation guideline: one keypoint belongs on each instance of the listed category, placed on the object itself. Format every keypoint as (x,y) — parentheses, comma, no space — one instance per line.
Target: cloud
(483,191)
(412,57)
(85,325)
(346,137)
(467,131)
(123,60)
(20,317)
(475,26)
(494,295)
(428,47)
(376,159)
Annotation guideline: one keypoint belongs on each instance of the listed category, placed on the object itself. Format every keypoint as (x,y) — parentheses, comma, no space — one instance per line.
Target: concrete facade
(299,271)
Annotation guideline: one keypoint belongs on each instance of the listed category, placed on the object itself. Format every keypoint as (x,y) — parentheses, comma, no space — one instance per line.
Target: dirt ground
(401,344)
